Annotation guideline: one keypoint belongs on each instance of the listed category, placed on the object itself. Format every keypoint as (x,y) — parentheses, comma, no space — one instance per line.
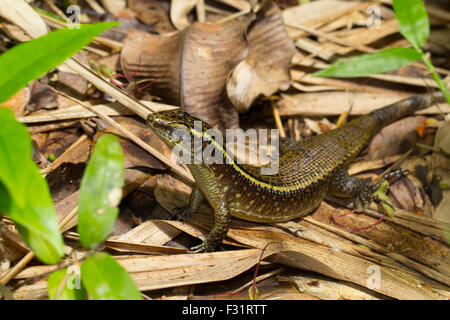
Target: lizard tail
(406,107)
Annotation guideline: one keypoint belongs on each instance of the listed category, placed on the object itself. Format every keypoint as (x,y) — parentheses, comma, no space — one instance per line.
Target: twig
(200,7)
(424,146)
(112,44)
(17,268)
(276,116)
(396,163)
(56,9)
(258,279)
(233,16)
(95,6)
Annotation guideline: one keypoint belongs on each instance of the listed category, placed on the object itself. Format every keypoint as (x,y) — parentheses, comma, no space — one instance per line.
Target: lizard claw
(203,247)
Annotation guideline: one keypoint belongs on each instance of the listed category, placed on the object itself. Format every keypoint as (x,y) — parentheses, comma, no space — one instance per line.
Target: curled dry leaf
(190,68)
(396,138)
(179,11)
(266,69)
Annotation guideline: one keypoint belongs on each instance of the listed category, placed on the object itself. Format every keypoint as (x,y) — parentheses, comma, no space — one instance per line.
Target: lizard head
(173,126)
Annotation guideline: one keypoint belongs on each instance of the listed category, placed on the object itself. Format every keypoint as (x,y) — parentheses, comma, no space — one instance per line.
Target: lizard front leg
(219,231)
(344,186)
(195,200)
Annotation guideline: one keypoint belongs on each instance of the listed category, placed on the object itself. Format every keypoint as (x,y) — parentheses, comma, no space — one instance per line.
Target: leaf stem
(442,86)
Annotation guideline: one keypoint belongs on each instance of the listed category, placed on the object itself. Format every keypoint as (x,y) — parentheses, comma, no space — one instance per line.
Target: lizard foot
(203,247)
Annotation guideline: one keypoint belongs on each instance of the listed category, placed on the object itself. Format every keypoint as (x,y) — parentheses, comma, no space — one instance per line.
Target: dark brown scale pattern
(308,168)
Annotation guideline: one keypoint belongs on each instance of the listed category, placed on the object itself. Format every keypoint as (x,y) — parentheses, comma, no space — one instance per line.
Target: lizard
(307,170)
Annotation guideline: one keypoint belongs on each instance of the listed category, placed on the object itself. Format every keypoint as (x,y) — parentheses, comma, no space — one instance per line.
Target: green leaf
(370,63)
(24,193)
(30,60)
(381,193)
(413,20)
(105,279)
(100,192)
(65,285)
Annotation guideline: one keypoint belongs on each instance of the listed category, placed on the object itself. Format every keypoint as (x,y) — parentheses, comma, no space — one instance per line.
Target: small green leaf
(100,192)
(381,193)
(370,63)
(30,60)
(105,279)
(65,285)
(24,193)
(413,20)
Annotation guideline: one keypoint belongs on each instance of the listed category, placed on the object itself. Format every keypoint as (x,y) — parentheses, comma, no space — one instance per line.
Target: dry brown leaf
(325,289)
(413,245)
(335,103)
(400,284)
(266,68)
(151,232)
(152,13)
(150,273)
(366,165)
(24,16)
(190,68)
(396,138)
(315,14)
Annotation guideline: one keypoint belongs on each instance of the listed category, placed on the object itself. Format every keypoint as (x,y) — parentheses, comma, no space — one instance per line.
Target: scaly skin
(307,170)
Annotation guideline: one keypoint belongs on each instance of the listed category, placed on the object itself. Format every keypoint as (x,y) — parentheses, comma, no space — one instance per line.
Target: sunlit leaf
(105,279)
(413,20)
(371,63)
(24,193)
(100,192)
(30,60)
(65,285)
